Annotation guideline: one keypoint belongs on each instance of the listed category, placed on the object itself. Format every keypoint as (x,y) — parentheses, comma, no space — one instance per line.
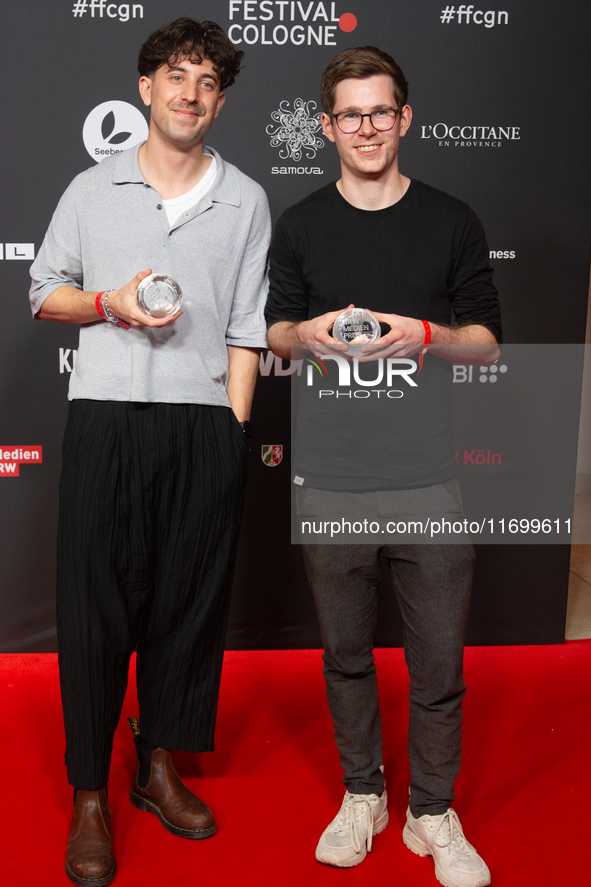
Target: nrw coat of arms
(272,454)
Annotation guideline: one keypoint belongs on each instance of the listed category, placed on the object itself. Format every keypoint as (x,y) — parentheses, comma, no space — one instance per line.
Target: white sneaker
(457,864)
(348,838)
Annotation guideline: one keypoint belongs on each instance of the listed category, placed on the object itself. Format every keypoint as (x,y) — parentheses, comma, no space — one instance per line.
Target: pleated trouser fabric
(150,505)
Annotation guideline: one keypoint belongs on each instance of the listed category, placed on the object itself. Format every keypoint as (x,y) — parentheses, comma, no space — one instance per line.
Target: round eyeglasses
(382,119)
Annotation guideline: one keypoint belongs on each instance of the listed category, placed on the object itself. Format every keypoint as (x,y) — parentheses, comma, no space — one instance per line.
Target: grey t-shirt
(109,225)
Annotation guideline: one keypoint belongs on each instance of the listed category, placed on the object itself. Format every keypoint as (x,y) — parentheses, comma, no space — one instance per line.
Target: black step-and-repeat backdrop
(498,92)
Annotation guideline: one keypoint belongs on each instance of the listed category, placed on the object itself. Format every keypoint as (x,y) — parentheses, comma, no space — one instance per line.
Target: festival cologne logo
(272,454)
(111,128)
(268,23)
(12,457)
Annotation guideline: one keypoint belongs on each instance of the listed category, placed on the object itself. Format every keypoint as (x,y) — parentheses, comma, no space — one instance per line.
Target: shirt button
(159,206)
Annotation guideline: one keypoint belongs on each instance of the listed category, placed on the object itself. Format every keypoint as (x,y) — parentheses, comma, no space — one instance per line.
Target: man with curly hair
(154,455)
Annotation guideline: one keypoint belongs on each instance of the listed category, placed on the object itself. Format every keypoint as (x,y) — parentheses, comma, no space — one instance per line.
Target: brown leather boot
(178,809)
(89,855)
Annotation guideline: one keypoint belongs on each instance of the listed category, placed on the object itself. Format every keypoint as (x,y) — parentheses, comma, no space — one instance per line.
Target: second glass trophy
(356,327)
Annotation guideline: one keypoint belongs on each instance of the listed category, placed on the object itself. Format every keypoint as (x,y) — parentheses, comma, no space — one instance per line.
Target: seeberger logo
(11,459)
(469,136)
(287,21)
(111,128)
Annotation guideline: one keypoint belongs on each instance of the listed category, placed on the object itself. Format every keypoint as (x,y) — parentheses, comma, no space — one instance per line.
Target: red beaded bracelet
(425,344)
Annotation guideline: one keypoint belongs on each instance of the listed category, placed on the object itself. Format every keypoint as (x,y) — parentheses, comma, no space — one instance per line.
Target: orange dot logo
(347,22)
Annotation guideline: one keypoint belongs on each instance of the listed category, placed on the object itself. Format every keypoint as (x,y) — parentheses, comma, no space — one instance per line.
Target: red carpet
(274,781)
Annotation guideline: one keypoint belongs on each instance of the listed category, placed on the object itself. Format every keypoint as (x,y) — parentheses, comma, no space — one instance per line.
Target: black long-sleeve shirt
(425,257)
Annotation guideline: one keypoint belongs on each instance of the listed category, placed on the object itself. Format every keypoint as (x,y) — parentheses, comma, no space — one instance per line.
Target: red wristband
(425,344)
(97,305)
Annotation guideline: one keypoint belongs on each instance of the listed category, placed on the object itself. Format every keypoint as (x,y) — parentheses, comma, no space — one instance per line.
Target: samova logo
(12,457)
(295,131)
(384,371)
(113,127)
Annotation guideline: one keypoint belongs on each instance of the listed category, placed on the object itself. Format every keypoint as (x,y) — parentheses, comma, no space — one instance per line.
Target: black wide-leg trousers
(150,505)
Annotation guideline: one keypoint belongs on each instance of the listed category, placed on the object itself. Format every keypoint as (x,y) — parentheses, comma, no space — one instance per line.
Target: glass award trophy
(159,295)
(356,327)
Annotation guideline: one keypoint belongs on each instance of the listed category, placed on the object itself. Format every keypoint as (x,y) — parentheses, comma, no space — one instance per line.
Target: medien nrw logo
(294,133)
(470,136)
(111,128)
(12,457)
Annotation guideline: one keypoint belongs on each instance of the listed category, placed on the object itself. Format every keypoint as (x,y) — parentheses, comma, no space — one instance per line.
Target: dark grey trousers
(432,585)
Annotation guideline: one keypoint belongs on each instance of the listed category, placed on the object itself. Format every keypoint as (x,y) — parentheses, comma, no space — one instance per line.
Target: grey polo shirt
(109,225)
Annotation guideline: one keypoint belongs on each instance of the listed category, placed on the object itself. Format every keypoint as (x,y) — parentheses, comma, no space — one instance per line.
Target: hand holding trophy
(159,295)
(356,327)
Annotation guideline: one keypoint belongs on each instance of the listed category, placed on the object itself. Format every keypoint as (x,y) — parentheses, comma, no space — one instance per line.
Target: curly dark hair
(186,37)
(361,62)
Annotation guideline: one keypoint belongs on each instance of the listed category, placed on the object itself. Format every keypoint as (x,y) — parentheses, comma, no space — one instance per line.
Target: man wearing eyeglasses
(416,258)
